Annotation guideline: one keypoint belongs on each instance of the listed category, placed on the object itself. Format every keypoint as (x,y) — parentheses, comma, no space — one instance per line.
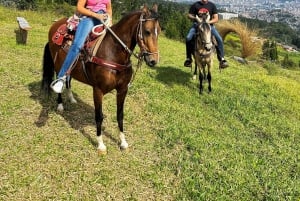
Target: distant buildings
(227,16)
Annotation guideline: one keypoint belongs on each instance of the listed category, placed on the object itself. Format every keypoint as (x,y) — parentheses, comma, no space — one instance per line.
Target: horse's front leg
(120,116)
(195,72)
(98,97)
(209,79)
(201,78)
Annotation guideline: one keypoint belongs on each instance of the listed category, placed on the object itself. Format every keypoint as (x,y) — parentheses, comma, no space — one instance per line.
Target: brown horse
(111,68)
(203,53)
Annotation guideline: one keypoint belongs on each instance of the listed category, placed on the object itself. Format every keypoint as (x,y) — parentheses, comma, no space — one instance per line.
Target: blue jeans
(84,27)
(214,32)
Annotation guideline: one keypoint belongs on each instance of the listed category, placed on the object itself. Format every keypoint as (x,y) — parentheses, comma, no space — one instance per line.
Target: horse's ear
(207,17)
(145,8)
(155,8)
(199,19)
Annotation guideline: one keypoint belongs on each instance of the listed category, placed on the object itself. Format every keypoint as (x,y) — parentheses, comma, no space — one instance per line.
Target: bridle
(144,51)
(203,41)
(139,37)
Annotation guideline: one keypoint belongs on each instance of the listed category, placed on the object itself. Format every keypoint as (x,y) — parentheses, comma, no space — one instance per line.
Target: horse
(111,68)
(203,51)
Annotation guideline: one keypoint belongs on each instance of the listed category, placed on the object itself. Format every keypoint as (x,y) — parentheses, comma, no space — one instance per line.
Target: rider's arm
(191,17)
(214,19)
(109,12)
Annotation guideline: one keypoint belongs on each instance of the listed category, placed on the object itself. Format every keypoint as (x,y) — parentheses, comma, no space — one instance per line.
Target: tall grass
(250,46)
(241,142)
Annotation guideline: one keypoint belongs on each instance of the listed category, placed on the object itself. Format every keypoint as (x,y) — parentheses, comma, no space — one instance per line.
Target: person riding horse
(202,7)
(93,12)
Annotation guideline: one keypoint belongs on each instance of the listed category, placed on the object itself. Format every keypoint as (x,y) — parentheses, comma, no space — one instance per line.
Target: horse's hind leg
(69,91)
(60,106)
(59,100)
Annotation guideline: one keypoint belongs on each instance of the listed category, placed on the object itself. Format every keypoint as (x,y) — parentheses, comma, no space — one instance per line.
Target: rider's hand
(101,17)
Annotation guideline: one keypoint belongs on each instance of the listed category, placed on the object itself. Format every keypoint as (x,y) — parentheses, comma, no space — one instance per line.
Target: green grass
(241,142)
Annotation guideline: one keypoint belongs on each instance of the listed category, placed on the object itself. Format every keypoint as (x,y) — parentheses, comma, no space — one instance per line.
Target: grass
(241,142)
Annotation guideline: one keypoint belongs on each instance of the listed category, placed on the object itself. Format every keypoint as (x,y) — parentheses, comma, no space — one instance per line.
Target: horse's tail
(48,70)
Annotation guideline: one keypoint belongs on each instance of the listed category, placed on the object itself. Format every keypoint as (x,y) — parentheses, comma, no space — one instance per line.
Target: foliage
(20,4)
(278,31)
(269,50)
(287,63)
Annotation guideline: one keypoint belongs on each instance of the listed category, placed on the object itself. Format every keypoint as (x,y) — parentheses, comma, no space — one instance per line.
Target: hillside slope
(241,142)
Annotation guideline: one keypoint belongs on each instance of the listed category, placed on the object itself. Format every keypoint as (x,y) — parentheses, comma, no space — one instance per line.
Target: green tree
(273,51)
(266,49)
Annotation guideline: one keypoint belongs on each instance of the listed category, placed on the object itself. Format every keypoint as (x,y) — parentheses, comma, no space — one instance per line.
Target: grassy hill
(241,142)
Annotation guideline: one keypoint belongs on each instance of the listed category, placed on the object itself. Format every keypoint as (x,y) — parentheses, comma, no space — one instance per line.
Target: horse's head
(204,31)
(148,32)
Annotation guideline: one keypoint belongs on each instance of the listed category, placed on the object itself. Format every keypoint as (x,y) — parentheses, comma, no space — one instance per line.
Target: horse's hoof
(124,149)
(74,101)
(60,107)
(124,146)
(102,152)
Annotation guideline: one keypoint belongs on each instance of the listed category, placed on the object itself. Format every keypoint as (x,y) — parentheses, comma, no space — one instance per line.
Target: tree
(269,50)
(273,51)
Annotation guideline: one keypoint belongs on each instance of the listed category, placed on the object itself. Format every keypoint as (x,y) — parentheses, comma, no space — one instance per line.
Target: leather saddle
(64,38)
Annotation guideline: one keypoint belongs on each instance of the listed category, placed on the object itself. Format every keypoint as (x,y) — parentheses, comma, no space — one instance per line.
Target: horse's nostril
(152,63)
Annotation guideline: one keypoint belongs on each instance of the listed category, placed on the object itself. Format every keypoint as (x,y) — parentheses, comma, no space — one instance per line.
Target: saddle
(64,37)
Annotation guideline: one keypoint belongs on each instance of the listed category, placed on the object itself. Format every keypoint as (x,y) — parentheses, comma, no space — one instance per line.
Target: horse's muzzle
(150,59)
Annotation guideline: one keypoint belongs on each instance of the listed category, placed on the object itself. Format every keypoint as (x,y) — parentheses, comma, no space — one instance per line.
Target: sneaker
(58,85)
(223,64)
(188,62)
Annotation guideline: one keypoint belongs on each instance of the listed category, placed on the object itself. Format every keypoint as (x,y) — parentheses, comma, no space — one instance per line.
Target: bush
(20,4)
(287,63)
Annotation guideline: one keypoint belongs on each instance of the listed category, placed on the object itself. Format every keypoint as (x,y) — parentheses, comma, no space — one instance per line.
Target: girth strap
(108,64)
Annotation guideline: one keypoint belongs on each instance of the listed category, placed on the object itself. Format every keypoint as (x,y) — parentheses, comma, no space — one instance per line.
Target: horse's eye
(147,33)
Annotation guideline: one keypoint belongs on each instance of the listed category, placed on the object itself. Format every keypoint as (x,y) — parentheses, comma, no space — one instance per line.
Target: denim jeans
(214,32)
(84,27)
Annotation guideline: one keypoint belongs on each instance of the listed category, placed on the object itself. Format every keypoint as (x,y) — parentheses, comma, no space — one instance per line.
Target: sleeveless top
(96,5)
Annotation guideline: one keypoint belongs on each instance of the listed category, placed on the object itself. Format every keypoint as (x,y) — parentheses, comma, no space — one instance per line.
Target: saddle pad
(91,46)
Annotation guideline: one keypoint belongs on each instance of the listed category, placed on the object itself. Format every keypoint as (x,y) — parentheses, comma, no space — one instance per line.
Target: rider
(195,9)
(92,12)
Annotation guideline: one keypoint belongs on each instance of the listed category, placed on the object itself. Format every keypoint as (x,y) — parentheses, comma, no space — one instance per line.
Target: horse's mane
(205,26)
(126,16)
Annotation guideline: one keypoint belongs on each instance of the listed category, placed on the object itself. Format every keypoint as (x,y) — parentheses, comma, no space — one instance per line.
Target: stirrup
(58,85)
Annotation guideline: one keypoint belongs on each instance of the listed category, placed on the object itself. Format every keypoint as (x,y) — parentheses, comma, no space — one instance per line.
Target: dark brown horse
(203,53)
(111,68)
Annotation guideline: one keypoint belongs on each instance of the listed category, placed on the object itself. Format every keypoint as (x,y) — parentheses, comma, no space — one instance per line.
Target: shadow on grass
(173,76)
(79,117)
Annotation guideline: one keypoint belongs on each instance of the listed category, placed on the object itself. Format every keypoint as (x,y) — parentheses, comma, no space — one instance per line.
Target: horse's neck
(126,29)
(116,47)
